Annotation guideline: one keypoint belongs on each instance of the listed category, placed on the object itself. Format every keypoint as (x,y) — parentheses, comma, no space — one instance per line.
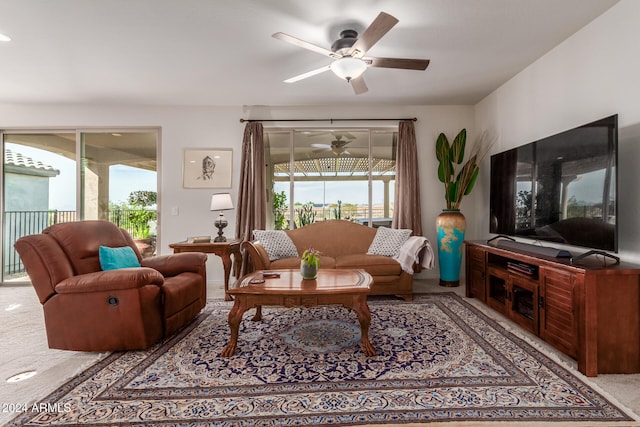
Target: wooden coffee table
(348,288)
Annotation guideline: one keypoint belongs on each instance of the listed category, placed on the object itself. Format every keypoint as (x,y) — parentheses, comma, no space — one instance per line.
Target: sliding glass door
(51,177)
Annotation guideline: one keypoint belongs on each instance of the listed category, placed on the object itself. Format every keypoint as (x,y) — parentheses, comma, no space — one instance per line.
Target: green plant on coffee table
(310,257)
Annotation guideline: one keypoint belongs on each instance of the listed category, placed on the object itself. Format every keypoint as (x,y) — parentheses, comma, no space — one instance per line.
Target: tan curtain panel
(406,207)
(251,212)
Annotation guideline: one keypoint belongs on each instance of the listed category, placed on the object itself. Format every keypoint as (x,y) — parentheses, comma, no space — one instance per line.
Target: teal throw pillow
(115,258)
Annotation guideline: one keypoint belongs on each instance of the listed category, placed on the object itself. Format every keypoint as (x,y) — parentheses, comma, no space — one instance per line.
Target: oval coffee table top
(291,282)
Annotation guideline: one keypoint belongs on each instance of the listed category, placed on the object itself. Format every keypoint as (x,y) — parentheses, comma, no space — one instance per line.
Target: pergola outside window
(322,174)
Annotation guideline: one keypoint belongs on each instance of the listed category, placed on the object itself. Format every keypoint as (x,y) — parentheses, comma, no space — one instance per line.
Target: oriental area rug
(439,360)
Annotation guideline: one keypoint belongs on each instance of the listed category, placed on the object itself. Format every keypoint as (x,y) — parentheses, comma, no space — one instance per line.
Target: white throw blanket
(409,253)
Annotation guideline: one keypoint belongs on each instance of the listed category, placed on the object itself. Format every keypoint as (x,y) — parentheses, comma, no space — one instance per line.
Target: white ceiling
(220,52)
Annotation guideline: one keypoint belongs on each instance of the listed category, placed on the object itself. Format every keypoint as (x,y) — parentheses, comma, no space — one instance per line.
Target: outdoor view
(41,187)
(331,175)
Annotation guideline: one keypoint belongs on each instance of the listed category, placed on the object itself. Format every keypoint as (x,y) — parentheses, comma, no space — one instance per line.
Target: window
(51,177)
(321,174)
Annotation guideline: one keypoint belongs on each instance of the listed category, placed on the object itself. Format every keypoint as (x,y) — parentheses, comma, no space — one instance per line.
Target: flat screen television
(560,189)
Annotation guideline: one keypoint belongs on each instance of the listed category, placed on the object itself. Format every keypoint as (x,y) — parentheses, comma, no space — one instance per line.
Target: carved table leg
(235,317)
(226,264)
(258,316)
(364,317)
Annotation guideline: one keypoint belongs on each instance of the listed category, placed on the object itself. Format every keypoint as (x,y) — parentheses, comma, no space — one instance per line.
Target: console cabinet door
(498,289)
(523,300)
(475,286)
(558,313)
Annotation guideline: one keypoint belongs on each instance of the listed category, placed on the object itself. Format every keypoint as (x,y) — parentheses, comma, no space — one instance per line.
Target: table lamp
(221,202)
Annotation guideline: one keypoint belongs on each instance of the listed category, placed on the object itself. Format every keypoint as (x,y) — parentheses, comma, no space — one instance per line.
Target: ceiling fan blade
(357,155)
(403,63)
(378,28)
(359,85)
(307,74)
(303,44)
(325,146)
(334,133)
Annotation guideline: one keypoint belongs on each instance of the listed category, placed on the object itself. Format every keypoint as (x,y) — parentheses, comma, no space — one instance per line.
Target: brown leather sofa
(88,309)
(342,244)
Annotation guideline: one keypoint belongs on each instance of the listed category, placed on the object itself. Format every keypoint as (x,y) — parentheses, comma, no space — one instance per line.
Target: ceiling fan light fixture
(348,67)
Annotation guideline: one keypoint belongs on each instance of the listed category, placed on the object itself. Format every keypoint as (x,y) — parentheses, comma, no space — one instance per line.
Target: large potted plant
(140,217)
(459,178)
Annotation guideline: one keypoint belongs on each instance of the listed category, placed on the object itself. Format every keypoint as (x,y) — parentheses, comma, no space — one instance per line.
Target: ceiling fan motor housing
(346,40)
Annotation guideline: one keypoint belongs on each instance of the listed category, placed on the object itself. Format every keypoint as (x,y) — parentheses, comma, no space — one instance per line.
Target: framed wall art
(207,168)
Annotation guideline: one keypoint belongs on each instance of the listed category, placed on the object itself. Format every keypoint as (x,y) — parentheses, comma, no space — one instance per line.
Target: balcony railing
(346,212)
(23,223)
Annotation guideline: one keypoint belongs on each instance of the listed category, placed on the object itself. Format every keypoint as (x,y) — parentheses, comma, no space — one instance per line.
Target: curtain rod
(413,119)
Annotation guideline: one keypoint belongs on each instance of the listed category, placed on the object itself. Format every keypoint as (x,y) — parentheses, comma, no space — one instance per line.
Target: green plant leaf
(445,170)
(442,148)
(452,195)
(458,146)
(467,170)
(472,181)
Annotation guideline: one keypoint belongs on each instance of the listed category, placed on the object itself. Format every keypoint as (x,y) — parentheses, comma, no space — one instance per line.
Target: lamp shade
(221,202)
(348,68)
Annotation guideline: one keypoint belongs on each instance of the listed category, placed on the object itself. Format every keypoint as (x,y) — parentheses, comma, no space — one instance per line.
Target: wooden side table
(221,249)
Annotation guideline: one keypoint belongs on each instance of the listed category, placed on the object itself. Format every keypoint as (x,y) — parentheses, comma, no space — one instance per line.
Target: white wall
(593,74)
(219,127)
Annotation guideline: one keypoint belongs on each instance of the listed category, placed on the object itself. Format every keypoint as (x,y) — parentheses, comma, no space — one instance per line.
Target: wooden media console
(588,309)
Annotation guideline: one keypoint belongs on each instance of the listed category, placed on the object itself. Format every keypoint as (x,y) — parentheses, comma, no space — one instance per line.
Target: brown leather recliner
(88,309)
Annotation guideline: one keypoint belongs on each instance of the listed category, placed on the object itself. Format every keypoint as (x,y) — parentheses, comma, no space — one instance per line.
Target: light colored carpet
(24,348)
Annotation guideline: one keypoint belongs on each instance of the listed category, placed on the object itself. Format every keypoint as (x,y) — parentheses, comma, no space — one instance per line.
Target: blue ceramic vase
(451,226)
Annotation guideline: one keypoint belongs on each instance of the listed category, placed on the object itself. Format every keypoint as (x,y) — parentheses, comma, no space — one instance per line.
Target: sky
(123,179)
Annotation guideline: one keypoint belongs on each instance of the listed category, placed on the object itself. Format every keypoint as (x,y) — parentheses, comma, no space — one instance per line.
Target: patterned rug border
(598,397)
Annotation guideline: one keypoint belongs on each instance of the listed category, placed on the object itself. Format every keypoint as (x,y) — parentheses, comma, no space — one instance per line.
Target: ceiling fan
(349,50)
(334,133)
(338,146)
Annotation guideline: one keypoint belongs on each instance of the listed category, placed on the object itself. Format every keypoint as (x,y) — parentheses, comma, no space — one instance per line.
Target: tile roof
(17,159)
